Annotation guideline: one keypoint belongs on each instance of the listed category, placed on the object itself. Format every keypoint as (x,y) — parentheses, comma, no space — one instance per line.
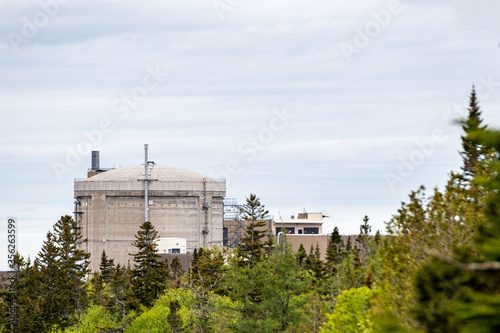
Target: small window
(290,231)
(300,231)
(176,250)
(311,231)
(225,236)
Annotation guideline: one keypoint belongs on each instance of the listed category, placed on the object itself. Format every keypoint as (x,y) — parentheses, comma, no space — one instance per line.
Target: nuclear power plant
(111,204)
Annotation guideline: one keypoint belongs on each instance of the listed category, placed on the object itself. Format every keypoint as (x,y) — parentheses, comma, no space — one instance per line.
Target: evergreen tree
(73,261)
(403,252)
(173,317)
(471,149)
(250,248)
(207,270)
(315,265)
(268,292)
(31,306)
(334,251)
(301,255)
(348,246)
(364,233)
(176,269)
(51,291)
(106,267)
(149,274)
(54,297)
(119,286)
(460,292)
(377,238)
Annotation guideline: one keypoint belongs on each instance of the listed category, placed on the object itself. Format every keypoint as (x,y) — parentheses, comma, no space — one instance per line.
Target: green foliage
(315,265)
(176,271)
(156,319)
(301,255)
(149,274)
(436,270)
(207,269)
(106,267)
(426,280)
(206,279)
(178,311)
(402,254)
(51,291)
(269,292)
(472,149)
(95,319)
(312,313)
(251,246)
(335,250)
(351,313)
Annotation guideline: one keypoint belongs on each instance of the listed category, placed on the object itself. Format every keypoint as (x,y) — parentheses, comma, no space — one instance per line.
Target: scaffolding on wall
(234,226)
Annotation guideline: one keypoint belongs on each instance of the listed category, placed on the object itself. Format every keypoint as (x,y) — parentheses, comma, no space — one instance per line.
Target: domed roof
(157,172)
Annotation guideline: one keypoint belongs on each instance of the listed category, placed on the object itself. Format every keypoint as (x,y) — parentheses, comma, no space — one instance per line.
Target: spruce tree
(207,270)
(173,317)
(460,292)
(149,274)
(301,255)
(106,267)
(176,269)
(52,289)
(365,229)
(251,246)
(314,264)
(73,262)
(334,251)
(471,149)
(54,296)
(269,293)
(30,305)
(119,286)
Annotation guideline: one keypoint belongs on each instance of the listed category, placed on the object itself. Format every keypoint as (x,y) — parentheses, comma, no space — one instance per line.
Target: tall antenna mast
(146,181)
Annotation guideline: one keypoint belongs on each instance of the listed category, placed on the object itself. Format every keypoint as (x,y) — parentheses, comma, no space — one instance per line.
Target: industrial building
(306,229)
(304,224)
(110,205)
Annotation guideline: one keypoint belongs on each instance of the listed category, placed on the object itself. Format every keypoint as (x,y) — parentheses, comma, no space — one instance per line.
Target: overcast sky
(340,107)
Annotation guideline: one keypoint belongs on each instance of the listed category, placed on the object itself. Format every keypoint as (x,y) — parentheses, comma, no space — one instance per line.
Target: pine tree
(30,307)
(149,275)
(460,291)
(207,270)
(250,248)
(334,251)
(73,262)
(377,238)
(315,265)
(106,267)
(52,289)
(348,246)
(119,286)
(403,252)
(176,269)
(268,292)
(173,317)
(301,255)
(54,296)
(472,150)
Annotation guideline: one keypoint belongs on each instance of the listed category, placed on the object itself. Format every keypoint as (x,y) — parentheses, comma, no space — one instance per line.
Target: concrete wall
(112,212)
(184,258)
(307,241)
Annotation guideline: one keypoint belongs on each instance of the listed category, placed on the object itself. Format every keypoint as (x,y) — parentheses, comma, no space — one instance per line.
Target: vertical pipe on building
(146,202)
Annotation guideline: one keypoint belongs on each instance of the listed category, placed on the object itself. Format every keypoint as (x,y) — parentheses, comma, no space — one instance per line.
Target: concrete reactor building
(184,206)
